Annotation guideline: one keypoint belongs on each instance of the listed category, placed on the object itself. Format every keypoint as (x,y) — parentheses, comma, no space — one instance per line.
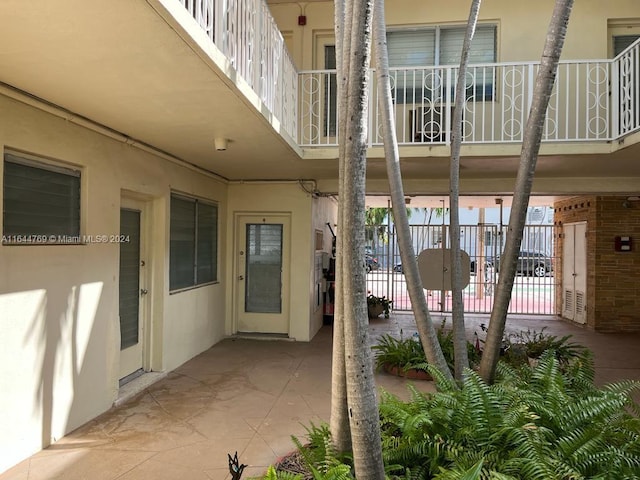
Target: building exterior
(169,170)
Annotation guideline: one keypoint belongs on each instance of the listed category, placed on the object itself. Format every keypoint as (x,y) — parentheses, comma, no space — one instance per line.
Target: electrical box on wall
(623,244)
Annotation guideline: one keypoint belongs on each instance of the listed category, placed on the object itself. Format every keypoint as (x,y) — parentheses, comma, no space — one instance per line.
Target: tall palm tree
(461,357)
(426,330)
(361,396)
(374,220)
(545,80)
(339,421)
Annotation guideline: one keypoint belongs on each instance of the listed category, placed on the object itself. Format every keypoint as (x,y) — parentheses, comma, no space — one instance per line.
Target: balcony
(593,100)
(246,33)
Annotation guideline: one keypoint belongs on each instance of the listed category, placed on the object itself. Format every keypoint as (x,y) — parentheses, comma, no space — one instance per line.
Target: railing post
(371,103)
(615,100)
(448,105)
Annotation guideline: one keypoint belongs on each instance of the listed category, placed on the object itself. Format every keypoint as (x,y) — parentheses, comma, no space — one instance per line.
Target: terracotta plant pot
(411,373)
(375,310)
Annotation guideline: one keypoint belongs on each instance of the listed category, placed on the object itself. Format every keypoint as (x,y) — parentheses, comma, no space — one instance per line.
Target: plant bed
(409,373)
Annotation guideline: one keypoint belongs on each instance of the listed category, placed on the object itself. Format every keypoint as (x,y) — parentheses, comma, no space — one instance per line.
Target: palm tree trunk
(339,422)
(424,323)
(362,402)
(545,80)
(461,356)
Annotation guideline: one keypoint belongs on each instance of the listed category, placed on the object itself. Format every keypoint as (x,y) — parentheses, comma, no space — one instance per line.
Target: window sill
(194,287)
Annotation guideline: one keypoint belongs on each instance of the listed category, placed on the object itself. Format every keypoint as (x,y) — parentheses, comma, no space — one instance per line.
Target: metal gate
(534,286)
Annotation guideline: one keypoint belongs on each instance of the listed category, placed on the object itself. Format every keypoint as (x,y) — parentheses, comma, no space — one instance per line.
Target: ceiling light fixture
(220,144)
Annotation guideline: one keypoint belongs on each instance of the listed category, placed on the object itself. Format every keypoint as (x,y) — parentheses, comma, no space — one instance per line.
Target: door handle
(143,291)
(240,277)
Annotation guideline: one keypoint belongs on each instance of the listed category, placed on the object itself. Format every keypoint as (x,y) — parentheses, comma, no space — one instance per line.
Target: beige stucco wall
(306,215)
(521,26)
(59,361)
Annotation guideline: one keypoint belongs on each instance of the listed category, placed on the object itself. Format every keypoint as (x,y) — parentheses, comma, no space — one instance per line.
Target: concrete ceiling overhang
(144,69)
(131,66)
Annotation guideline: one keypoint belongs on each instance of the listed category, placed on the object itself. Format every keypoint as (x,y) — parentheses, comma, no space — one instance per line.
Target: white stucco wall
(521,27)
(290,199)
(59,324)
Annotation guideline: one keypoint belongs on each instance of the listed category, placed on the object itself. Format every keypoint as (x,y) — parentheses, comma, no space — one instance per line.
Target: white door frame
(240,221)
(138,357)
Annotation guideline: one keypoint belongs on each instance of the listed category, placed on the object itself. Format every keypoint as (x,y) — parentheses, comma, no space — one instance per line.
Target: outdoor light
(221,144)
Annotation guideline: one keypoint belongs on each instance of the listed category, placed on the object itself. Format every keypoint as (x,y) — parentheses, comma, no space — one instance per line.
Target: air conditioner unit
(427,124)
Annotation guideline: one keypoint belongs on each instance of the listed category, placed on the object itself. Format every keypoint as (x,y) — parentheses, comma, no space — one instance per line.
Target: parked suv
(535,264)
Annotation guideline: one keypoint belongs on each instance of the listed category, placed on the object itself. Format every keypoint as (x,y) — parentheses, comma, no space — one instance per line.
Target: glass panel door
(263,293)
(262,274)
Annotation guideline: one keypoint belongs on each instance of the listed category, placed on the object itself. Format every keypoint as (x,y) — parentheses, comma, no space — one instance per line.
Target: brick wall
(613,278)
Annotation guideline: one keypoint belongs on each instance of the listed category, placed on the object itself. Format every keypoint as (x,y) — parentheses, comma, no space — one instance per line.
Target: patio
(249,395)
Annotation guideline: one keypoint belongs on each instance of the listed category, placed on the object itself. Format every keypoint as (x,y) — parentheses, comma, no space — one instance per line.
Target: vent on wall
(580,307)
(568,303)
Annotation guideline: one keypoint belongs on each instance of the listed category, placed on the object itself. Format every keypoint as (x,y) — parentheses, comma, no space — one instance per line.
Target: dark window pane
(39,200)
(207,264)
(182,243)
(330,91)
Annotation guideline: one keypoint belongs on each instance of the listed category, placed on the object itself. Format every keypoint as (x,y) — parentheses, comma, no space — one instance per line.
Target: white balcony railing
(246,33)
(593,100)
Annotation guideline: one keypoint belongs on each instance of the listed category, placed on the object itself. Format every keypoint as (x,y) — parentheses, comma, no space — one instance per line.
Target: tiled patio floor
(248,396)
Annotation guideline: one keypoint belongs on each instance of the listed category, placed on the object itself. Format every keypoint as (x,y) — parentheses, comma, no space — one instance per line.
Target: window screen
(439,46)
(41,202)
(414,48)
(621,42)
(193,247)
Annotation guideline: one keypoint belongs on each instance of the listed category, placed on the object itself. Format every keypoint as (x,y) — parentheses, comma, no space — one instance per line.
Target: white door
(574,272)
(131,287)
(262,274)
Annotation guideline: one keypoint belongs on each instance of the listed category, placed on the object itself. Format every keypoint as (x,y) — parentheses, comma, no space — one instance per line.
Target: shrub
(532,424)
(408,353)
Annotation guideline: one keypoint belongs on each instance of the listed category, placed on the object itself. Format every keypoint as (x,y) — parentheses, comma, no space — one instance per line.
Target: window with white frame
(411,51)
(41,201)
(193,251)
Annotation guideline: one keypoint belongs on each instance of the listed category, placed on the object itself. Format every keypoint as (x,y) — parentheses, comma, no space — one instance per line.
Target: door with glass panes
(262,274)
(131,287)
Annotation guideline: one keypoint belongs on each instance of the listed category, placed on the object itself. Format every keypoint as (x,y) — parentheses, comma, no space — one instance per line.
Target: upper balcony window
(435,47)
(622,42)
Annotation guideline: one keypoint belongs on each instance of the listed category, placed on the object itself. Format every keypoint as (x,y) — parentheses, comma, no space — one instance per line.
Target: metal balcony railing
(593,100)
(246,33)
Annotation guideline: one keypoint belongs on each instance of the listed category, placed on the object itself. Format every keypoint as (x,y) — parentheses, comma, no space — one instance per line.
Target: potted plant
(406,358)
(533,344)
(399,356)
(378,305)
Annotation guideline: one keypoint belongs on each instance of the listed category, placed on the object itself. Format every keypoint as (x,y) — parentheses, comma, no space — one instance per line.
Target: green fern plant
(542,423)
(321,460)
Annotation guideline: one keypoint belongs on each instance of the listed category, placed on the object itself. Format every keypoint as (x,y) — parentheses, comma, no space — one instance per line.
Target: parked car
(530,263)
(371,263)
